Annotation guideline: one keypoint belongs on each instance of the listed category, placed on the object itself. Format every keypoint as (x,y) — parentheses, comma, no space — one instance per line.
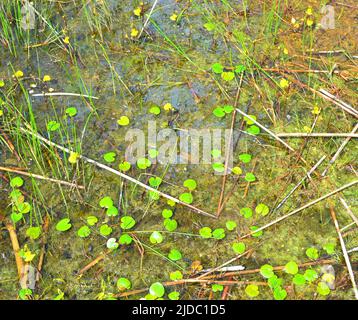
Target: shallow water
(156,72)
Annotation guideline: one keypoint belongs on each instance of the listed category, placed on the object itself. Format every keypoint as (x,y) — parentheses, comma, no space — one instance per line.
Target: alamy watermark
(28,16)
(328,19)
(179,146)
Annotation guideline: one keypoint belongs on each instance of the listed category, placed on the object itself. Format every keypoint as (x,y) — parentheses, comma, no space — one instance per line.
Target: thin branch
(148,17)
(54,94)
(302,208)
(36,176)
(316,135)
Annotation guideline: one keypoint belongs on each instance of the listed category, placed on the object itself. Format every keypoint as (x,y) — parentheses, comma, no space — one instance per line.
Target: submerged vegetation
(79,220)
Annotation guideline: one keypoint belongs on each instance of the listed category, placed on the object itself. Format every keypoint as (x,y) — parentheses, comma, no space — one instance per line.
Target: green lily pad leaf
(190,184)
(112,243)
(127,222)
(252,290)
(84,232)
(176,275)
(170,224)
(228,109)
(231,225)
(105,230)
(310,275)
(205,232)
(106,202)
(71,111)
(240,68)
(329,248)
(228,76)
(123,121)
(299,279)
(219,233)
(23,207)
(246,212)
(291,267)
(167,213)
(250,177)
(123,284)
(157,290)
(255,130)
(112,211)
(16,182)
(323,289)
(215,153)
(219,112)
(274,282)
(245,157)
(267,271)
(125,239)
(92,220)
(218,167)
(250,121)
(153,153)
(174,255)
(262,209)
(33,232)
(174,295)
(156,237)
(239,247)
(217,67)
(143,163)
(312,253)
(25,294)
(186,197)
(15,217)
(217,287)
(236,170)
(256,234)
(155,110)
(63,225)
(109,157)
(124,166)
(155,181)
(53,126)
(279,293)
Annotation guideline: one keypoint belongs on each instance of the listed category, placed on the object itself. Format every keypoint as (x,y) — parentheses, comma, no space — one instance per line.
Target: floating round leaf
(252,290)
(219,233)
(323,289)
(167,213)
(143,163)
(112,244)
(246,212)
(236,170)
(245,157)
(176,275)
(218,167)
(250,177)
(33,232)
(239,247)
(92,220)
(105,230)
(53,126)
(231,225)
(156,237)
(291,267)
(174,255)
(186,197)
(109,157)
(217,287)
(255,130)
(174,295)
(205,232)
(279,293)
(157,290)
(123,121)
(16,182)
(312,253)
(125,239)
(127,222)
(84,232)
(329,248)
(216,67)
(63,225)
(106,202)
(219,112)
(123,284)
(267,271)
(155,181)
(155,110)
(262,209)
(15,216)
(71,111)
(310,275)
(170,224)
(112,211)
(124,166)
(256,234)
(240,68)
(190,184)
(299,279)
(228,76)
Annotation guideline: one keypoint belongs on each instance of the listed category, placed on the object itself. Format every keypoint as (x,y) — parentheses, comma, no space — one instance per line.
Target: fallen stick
(339,151)
(346,107)
(317,135)
(54,94)
(10,145)
(93,263)
(302,208)
(118,173)
(308,175)
(349,211)
(345,254)
(148,17)
(16,248)
(36,176)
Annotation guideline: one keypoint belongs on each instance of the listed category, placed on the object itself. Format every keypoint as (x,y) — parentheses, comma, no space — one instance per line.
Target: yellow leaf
(46,78)
(309,11)
(168,107)
(2,83)
(123,121)
(19,74)
(285,51)
(66,40)
(134,32)
(174,17)
(1,113)
(328,277)
(284,83)
(74,156)
(236,170)
(307,129)
(29,256)
(137,11)
(316,110)
(309,22)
